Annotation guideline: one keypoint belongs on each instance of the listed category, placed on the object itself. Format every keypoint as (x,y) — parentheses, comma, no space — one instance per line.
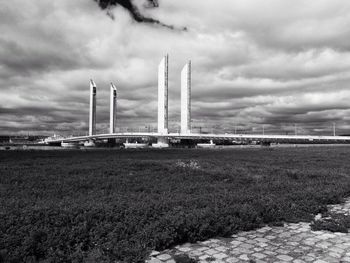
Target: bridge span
(198,136)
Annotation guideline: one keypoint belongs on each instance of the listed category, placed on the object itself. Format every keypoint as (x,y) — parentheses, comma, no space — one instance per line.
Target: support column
(186,99)
(92,117)
(163,72)
(113,109)
(163,96)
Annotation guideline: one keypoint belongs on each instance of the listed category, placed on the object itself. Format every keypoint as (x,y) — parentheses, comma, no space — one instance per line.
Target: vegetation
(109,205)
(332,222)
(183,258)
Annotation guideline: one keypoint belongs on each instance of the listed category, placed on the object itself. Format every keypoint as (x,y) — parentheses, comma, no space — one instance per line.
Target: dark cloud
(134,11)
(23,60)
(45,120)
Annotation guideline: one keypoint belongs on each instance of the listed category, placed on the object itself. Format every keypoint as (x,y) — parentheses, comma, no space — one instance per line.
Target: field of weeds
(106,205)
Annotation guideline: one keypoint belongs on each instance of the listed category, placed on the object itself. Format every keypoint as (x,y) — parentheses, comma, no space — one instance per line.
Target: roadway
(197,136)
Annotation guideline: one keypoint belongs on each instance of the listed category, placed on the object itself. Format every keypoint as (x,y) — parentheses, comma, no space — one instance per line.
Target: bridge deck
(204,136)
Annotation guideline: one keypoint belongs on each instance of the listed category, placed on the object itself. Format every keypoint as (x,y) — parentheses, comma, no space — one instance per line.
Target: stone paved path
(290,243)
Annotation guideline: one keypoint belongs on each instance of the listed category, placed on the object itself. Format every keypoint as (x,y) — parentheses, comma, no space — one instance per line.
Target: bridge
(162,135)
(198,136)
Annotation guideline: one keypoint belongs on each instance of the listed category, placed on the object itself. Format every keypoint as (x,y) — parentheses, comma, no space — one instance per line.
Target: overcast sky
(274,63)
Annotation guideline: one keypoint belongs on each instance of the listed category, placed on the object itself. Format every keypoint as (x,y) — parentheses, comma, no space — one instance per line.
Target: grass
(107,206)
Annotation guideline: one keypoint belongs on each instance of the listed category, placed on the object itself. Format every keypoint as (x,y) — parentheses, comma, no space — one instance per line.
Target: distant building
(4,139)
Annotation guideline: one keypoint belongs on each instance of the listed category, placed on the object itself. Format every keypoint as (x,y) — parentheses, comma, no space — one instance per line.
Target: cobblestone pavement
(290,243)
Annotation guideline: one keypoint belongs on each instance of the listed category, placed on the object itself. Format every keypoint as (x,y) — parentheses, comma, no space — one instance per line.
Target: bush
(332,222)
(183,258)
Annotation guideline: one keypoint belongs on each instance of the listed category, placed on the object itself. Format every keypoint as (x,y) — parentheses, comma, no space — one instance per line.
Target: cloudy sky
(275,63)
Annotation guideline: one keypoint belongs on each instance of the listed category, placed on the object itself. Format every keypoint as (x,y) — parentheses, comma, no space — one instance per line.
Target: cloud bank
(273,63)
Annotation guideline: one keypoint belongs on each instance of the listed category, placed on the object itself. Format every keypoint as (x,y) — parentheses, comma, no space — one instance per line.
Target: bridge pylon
(113,109)
(186,99)
(163,75)
(92,116)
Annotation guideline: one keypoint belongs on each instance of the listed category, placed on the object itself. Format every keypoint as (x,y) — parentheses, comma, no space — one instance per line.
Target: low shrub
(332,222)
(183,258)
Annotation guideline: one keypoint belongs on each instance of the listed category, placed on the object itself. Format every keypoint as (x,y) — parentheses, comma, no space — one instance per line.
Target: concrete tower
(92,117)
(113,109)
(163,96)
(186,99)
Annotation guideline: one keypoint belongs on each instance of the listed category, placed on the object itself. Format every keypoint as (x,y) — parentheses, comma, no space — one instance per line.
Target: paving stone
(337,250)
(220,256)
(330,259)
(235,243)
(292,243)
(313,255)
(247,246)
(277,230)
(282,251)
(309,243)
(323,245)
(298,250)
(326,236)
(211,252)
(243,250)
(251,241)
(221,249)
(202,248)
(344,246)
(244,257)
(203,257)
(154,253)
(184,249)
(284,235)
(154,260)
(285,257)
(263,245)
(196,253)
(335,255)
(307,258)
(270,253)
(164,257)
(259,255)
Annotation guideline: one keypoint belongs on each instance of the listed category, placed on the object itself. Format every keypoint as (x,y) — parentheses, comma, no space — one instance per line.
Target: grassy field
(105,206)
